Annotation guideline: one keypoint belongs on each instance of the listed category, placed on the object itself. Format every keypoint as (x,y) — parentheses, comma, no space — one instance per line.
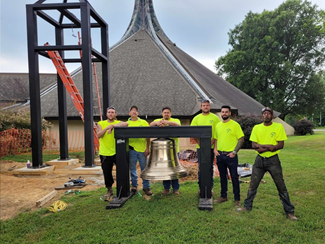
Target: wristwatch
(234,152)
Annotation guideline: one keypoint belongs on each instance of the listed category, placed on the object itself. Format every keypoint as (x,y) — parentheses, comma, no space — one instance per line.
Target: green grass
(176,219)
(22,158)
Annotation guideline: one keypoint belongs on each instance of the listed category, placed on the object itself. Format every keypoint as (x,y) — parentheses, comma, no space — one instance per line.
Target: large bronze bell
(163,161)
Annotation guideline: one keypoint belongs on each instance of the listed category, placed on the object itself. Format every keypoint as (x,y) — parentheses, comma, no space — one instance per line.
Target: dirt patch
(20,193)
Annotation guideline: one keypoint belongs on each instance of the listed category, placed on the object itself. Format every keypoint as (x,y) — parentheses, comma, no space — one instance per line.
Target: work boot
(237,204)
(165,192)
(176,192)
(292,217)
(221,200)
(147,191)
(134,188)
(109,192)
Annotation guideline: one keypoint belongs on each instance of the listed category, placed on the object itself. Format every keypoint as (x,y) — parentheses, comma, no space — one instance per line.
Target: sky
(200,28)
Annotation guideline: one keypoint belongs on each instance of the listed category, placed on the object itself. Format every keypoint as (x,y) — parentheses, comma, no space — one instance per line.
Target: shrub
(247,123)
(19,119)
(15,134)
(302,127)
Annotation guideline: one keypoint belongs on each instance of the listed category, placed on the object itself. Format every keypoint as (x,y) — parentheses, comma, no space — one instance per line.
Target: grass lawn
(22,158)
(176,219)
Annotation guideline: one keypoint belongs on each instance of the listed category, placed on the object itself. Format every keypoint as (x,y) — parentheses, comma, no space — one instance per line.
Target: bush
(302,127)
(15,134)
(19,119)
(247,123)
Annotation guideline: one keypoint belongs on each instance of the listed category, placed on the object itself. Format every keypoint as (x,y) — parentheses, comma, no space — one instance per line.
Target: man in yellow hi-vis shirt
(268,139)
(205,118)
(138,151)
(107,152)
(167,120)
(229,138)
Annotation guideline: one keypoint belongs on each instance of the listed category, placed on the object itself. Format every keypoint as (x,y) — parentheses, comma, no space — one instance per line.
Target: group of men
(226,140)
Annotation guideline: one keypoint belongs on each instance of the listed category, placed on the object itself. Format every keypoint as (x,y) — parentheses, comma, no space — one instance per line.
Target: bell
(163,162)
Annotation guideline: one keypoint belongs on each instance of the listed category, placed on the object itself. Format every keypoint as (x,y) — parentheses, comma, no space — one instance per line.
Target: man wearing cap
(107,152)
(268,139)
(205,118)
(138,151)
(229,138)
(167,120)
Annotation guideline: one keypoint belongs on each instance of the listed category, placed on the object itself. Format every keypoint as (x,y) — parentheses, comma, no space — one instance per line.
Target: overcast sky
(197,27)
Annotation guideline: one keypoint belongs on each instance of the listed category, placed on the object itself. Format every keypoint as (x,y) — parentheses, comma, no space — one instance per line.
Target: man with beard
(107,152)
(229,138)
(205,118)
(167,120)
(267,139)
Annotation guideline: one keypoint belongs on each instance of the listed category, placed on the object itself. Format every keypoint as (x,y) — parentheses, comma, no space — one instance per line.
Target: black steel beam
(98,54)
(44,54)
(87,85)
(71,17)
(105,70)
(48,18)
(69,26)
(58,48)
(54,6)
(61,15)
(157,132)
(122,168)
(97,17)
(62,104)
(34,88)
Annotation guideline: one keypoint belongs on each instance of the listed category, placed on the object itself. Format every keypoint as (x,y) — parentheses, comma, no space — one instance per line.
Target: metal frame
(34,49)
(122,135)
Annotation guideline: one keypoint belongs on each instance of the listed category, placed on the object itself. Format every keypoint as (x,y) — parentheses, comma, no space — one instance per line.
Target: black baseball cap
(267,109)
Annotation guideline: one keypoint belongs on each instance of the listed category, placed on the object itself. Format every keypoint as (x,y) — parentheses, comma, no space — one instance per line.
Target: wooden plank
(46,198)
(62,187)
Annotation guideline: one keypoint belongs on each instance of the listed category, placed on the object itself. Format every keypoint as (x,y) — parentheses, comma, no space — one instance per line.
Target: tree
(276,56)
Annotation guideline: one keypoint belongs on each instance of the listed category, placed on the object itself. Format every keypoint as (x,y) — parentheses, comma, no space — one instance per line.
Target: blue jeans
(174,183)
(212,159)
(224,162)
(134,157)
(273,166)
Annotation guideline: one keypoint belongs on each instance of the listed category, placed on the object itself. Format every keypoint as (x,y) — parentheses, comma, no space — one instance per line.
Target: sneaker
(243,209)
(147,191)
(237,204)
(221,200)
(292,217)
(176,192)
(165,192)
(134,188)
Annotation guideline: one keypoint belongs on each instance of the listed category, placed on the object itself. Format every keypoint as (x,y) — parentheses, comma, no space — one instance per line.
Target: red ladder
(71,88)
